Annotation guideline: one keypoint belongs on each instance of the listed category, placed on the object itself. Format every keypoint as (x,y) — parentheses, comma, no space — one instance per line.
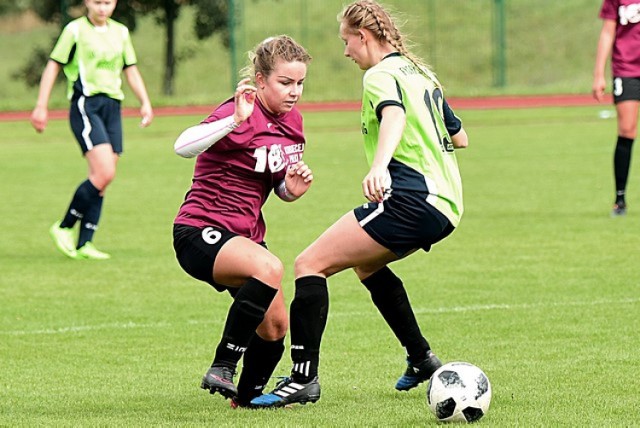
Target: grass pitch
(538,286)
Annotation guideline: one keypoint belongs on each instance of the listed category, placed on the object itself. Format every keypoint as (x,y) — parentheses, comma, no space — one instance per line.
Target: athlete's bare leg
(102,166)
(627,112)
(344,245)
(240,259)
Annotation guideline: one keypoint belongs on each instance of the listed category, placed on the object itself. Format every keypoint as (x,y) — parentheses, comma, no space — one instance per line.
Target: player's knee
(303,265)
(628,130)
(109,175)
(309,263)
(103,178)
(279,327)
(270,271)
(628,133)
(363,272)
(276,322)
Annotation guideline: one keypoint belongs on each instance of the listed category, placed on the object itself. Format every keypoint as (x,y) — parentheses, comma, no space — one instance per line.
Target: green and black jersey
(93,57)
(424,160)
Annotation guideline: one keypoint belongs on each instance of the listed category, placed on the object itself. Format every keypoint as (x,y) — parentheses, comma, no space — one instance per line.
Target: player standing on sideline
(415,200)
(620,39)
(250,145)
(93,51)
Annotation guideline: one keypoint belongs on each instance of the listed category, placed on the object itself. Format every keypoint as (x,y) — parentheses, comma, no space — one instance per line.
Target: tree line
(210,17)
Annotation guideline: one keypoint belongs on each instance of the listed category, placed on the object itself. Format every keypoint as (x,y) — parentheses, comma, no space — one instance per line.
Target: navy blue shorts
(96,120)
(197,248)
(404,222)
(626,89)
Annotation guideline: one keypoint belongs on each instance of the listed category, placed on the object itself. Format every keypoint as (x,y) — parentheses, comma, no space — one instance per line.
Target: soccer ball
(459,392)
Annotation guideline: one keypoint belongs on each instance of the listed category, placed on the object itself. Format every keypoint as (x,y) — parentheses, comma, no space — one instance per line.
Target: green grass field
(538,286)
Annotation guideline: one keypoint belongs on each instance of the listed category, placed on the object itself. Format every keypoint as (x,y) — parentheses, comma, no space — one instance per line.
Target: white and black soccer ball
(459,392)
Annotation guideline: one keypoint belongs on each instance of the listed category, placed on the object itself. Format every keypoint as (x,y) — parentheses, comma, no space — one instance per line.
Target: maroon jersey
(625,59)
(234,177)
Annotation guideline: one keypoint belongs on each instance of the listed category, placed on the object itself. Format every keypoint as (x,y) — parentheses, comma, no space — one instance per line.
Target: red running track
(483,103)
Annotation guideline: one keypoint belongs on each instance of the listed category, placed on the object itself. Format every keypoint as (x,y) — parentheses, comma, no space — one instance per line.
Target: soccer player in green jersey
(93,51)
(415,200)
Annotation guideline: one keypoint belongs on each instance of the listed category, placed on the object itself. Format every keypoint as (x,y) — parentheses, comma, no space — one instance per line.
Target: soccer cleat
(619,209)
(288,391)
(89,252)
(237,403)
(64,238)
(220,379)
(419,372)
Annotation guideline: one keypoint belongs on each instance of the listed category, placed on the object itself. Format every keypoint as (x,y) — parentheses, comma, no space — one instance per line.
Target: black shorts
(626,89)
(404,222)
(96,120)
(197,248)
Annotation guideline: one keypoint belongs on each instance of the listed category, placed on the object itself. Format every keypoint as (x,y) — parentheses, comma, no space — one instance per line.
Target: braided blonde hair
(265,55)
(370,15)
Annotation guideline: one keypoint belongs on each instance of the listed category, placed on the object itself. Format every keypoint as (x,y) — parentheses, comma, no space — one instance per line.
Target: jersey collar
(391,55)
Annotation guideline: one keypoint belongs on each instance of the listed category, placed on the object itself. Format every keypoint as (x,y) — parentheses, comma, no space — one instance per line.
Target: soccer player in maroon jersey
(250,145)
(620,38)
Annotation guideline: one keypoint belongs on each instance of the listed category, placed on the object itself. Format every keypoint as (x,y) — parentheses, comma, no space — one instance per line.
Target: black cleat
(619,209)
(220,379)
(419,372)
(288,391)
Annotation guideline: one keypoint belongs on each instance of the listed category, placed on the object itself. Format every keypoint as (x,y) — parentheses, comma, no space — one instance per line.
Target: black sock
(245,315)
(309,311)
(84,196)
(621,164)
(390,297)
(89,222)
(258,364)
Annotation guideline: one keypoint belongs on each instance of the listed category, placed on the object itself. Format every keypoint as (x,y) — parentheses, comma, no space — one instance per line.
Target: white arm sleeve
(283,193)
(199,138)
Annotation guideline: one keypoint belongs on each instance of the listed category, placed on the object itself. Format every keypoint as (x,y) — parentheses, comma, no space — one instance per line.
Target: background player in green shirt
(93,51)
(415,200)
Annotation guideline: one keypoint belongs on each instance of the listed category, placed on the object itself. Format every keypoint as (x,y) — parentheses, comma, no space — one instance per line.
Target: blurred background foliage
(190,51)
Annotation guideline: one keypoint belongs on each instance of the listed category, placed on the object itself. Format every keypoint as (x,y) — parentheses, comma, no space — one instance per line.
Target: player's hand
(147,115)
(244,100)
(599,85)
(298,179)
(375,184)
(39,118)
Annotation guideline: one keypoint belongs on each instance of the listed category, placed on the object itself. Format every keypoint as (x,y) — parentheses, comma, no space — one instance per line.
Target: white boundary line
(441,310)
(506,307)
(475,308)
